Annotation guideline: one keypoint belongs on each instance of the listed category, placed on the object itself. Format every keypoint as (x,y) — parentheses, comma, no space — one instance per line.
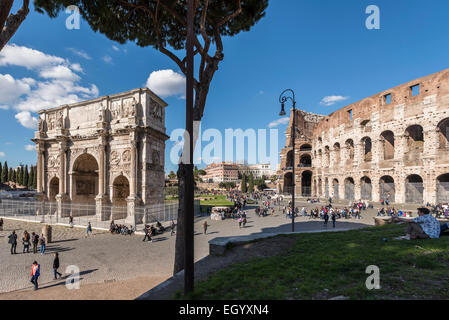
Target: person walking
(56,266)
(13,242)
(88,229)
(172,228)
(334,219)
(42,243)
(147,234)
(71,221)
(35,240)
(35,273)
(326,218)
(240,222)
(205,225)
(26,242)
(1,224)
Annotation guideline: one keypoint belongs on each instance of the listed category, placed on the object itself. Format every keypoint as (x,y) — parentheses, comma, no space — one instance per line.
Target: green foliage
(251,183)
(25,177)
(172,175)
(20,175)
(120,21)
(4,177)
(30,178)
(244,185)
(10,171)
(227,185)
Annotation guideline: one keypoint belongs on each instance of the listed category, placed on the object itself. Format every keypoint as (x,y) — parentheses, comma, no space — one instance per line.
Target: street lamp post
(283,99)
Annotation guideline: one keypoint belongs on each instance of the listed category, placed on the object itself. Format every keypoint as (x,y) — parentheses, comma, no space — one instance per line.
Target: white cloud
(279,122)
(80,53)
(14,55)
(2,154)
(30,147)
(27,120)
(331,100)
(115,48)
(107,59)
(166,83)
(56,83)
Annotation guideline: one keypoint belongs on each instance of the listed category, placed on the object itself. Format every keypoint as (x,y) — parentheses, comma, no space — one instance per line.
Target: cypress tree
(35,178)
(244,186)
(14,175)
(10,175)
(31,177)
(5,172)
(19,175)
(251,183)
(25,177)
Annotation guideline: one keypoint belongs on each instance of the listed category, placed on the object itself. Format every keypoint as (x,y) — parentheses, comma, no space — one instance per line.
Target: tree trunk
(13,22)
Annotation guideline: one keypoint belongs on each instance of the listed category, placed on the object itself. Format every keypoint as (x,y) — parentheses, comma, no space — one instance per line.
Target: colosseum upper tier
(393,145)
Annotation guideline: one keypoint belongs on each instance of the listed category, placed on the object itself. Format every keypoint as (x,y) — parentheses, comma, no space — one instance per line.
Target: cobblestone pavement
(105,258)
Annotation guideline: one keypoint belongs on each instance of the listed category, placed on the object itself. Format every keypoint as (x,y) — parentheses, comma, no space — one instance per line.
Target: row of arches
(414,143)
(414,189)
(85,183)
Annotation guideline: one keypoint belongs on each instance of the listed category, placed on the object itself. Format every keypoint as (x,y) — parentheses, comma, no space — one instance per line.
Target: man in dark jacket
(35,240)
(56,266)
(13,242)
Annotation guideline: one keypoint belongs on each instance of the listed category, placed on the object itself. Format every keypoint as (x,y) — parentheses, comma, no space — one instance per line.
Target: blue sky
(318,48)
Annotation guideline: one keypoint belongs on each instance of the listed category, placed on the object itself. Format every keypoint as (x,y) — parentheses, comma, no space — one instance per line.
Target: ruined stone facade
(393,145)
(108,152)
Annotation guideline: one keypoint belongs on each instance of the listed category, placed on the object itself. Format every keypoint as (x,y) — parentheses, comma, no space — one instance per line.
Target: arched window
(443,134)
(387,138)
(415,139)
(367,149)
(350,148)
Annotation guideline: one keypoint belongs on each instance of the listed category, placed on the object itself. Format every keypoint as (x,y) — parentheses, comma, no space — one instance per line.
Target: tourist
(56,266)
(205,225)
(172,228)
(423,227)
(334,219)
(1,224)
(147,234)
(240,222)
(71,221)
(35,240)
(13,242)
(42,243)
(88,229)
(326,219)
(26,242)
(35,273)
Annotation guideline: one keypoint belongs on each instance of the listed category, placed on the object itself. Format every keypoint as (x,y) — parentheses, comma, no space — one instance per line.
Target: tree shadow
(67,240)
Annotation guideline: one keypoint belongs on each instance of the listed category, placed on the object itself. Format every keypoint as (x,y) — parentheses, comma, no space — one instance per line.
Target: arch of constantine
(107,152)
(393,145)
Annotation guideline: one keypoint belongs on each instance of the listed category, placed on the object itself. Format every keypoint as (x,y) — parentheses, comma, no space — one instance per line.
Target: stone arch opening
(337,150)
(366,188)
(120,192)
(415,139)
(53,189)
(306,184)
(443,188)
(414,189)
(305,161)
(350,147)
(387,138)
(305,147)
(85,179)
(367,149)
(349,189)
(336,188)
(443,134)
(288,182)
(387,189)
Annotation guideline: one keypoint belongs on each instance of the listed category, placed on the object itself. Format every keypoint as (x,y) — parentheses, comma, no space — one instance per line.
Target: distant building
(221,172)
(258,170)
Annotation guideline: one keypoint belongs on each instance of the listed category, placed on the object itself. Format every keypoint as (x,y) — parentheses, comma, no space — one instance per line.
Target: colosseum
(393,145)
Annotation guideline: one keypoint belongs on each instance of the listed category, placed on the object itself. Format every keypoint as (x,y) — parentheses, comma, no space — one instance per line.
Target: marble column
(132,199)
(39,148)
(100,199)
(62,195)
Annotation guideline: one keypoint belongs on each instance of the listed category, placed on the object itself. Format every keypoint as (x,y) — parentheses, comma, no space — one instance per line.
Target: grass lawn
(217,202)
(326,265)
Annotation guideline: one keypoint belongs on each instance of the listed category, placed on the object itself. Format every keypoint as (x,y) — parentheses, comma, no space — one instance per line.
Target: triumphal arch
(107,152)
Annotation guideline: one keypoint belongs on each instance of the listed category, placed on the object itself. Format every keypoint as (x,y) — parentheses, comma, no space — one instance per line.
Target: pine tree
(251,183)
(5,172)
(35,178)
(25,177)
(244,186)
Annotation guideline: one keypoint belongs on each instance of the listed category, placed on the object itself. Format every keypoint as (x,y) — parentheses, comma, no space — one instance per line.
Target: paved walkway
(104,258)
